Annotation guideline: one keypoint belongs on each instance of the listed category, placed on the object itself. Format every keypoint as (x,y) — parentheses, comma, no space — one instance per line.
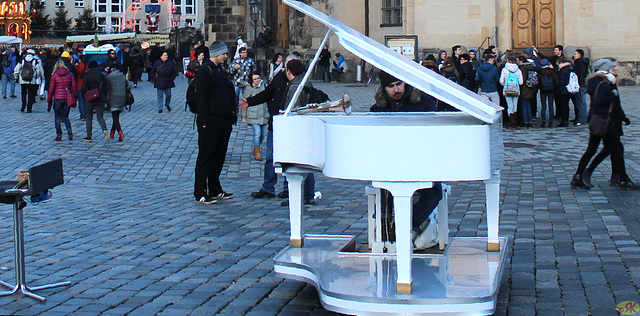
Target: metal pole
(306,75)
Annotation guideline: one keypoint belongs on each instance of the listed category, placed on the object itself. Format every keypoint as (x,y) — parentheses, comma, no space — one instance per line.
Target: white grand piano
(464,277)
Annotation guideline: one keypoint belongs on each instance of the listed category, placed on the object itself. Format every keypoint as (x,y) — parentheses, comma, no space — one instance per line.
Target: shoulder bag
(599,126)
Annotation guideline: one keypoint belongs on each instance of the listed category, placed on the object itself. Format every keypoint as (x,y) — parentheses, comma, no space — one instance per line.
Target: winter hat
(93,64)
(602,65)
(31,51)
(544,62)
(386,79)
(218,48)
(65,54)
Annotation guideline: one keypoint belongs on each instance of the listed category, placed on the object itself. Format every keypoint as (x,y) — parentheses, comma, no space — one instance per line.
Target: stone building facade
(600,27)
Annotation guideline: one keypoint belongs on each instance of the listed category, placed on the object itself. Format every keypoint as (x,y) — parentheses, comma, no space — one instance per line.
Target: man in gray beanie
(216,114)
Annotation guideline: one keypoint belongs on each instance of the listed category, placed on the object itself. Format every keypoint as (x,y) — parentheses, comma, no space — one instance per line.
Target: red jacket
(81,69)
(62,82)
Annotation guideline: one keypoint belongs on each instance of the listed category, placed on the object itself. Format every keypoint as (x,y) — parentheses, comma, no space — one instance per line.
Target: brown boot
(512,120)
(256,153)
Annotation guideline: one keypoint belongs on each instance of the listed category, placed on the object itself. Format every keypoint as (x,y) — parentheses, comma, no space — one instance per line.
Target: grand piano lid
(405,69)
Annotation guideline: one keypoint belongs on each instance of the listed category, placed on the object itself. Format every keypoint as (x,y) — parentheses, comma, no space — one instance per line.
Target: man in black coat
(396,96)
(216,114)
(579,100)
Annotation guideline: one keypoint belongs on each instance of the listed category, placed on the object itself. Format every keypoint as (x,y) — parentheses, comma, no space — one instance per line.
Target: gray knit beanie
(217,48)
(602,65)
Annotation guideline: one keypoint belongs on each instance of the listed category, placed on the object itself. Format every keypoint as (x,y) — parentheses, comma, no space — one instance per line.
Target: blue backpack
(511,85)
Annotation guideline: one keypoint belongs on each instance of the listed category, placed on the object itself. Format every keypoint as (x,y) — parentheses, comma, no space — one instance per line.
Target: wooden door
(534,24)
(283,25)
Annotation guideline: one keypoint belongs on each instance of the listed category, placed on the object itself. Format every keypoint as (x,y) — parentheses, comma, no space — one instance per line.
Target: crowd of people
(58,75)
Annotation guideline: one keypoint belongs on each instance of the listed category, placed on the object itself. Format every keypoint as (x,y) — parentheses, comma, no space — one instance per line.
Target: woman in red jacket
(63,83)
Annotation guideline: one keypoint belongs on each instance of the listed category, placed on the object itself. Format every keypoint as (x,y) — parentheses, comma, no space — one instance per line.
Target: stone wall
(225,20)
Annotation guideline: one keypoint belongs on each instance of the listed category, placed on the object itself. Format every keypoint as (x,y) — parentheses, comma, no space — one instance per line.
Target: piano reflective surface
(420,148)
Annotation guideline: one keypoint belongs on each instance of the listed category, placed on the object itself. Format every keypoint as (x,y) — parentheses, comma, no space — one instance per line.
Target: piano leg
(403,204)
(296,181)
(492,188)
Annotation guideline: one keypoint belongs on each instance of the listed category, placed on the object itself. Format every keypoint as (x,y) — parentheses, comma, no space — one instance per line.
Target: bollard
(359,73)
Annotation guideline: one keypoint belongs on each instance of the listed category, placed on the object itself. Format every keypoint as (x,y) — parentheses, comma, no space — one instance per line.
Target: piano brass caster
(403,288)
(493,246)
(296,243)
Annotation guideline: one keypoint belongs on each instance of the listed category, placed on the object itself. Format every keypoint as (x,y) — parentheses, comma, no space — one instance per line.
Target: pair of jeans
(512,104)
(546,99)
(325,70)
(579,101)
(270,176)
(562,102)
(82,105)
(166,92)
(8,79)
(308,187)
(526,110)
(259,133)
(99,108)
(61,111)
(239,92)
(334,73)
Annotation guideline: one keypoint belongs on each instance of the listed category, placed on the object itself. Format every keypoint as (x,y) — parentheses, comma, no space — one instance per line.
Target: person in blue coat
(9,61)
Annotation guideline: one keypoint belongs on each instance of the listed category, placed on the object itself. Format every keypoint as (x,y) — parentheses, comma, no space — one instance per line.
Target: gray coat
(115,90)
(258,114)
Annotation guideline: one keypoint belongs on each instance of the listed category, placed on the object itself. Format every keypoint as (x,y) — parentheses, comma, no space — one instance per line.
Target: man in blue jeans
(278,92)
(9,61)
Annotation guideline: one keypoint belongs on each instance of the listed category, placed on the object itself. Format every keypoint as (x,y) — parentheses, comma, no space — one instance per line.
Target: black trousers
(29,92)
(563,107)
(212,149)
(612,146)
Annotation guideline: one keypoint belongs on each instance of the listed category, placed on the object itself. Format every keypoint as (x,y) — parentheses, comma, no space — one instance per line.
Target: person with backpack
(562,94)
(511,79)
(216,114)
(29,73)
(547,83)
(256,116)
(63,84)
(9,61)
(579,100)
(527,90)
(137,65)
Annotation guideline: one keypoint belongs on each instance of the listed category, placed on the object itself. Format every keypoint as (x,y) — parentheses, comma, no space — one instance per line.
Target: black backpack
(192,93)
(27,70)
(6,60)
(546,84)
(316,95)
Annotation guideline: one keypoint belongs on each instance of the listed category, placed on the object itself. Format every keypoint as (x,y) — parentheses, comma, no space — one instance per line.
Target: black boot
(586,178)
(577,182)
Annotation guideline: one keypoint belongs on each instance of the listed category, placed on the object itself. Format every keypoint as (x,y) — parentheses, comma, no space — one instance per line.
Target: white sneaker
(205,200)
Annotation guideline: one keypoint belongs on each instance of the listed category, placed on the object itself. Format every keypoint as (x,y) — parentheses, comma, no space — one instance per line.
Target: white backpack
(573,86)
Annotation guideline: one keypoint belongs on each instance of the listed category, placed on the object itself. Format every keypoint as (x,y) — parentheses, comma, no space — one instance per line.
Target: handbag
(71,100)
(190,73)
(599,126)
(92,94)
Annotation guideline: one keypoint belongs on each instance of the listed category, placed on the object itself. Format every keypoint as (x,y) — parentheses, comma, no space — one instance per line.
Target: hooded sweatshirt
(487,75)
(509,67)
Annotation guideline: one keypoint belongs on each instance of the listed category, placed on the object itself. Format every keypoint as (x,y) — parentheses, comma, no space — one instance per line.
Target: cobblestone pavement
(126,232)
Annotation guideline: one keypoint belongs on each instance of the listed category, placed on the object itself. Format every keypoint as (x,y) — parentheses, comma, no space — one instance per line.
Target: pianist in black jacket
(396,96)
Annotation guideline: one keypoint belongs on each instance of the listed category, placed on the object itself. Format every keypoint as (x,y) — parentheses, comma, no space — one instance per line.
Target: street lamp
(255,17)
(176,15)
